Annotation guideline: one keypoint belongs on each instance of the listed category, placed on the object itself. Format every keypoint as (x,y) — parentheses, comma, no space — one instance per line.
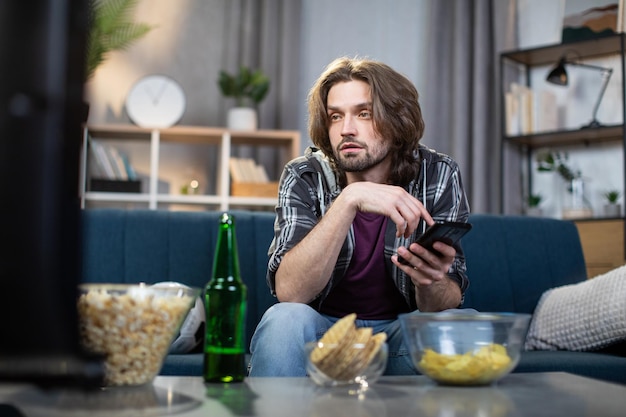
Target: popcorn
(132,330)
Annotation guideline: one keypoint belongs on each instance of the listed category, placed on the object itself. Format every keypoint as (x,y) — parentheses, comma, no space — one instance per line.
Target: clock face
(155,101)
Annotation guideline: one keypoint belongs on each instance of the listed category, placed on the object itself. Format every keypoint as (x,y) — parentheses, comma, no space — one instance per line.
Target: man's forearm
(305,270)
(438,296)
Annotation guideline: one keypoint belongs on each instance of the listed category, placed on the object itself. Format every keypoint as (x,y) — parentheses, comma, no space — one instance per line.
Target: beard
(362,162)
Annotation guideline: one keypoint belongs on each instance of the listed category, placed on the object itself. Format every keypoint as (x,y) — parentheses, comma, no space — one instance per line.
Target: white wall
(189,32)
(369,28)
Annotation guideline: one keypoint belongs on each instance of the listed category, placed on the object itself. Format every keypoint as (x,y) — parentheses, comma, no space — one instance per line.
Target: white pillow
(581,317)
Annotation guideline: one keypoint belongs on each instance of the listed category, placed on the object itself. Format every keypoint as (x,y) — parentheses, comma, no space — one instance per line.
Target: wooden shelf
(284,141)
(550,54)
(603,244)
(587,136)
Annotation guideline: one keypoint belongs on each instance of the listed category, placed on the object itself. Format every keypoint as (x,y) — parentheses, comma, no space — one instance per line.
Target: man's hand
(391,201)
(435,291)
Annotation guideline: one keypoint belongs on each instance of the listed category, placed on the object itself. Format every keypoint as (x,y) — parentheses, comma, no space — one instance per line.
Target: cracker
(341,331)
(334,354)
(346,368)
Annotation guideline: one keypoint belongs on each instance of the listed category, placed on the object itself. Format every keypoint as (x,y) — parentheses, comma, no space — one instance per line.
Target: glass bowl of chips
(347,355)
(465,348)
(354,364)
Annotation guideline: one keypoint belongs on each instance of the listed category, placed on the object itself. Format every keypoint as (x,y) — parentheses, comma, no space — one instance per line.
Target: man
(348,210)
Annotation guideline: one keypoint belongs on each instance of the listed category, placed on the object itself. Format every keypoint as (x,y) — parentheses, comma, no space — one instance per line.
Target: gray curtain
(266,34)
(461,102)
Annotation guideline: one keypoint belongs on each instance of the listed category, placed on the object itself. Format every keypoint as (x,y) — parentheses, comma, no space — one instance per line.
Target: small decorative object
(612,208)
(248,88)
(533,208)
(191,187)
(577,206)
(155,101)
(111,29)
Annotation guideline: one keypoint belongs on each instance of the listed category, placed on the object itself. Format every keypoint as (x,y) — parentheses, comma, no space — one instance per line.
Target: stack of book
(528,111)
(110,169)
(250,179)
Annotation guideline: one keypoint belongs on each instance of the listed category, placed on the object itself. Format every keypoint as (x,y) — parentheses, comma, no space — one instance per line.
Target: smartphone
(447,232)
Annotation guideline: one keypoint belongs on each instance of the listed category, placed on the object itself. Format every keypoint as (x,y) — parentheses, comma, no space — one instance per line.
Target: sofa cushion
(592,365)
(513,260)
(581,317)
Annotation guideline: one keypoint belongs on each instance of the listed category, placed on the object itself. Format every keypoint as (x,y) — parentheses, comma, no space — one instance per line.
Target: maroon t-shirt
(366,289)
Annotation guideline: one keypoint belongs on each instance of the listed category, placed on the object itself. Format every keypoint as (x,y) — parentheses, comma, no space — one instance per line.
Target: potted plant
(576,204)
(556,162)
(612,208)
(532,203)
(111,28)
(248,88)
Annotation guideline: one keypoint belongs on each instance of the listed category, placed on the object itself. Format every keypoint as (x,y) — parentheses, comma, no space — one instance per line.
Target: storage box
(254,189)
(115,186)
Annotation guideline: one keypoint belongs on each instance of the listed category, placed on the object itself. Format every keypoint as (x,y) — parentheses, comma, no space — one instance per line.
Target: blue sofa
(511,261)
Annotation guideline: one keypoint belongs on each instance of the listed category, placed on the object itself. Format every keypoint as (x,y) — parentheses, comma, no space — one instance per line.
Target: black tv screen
(42,50)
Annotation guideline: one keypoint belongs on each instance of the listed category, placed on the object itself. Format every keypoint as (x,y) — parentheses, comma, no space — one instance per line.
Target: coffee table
(522,394)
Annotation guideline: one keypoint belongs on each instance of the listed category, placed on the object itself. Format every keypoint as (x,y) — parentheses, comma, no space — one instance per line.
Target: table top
(522,394)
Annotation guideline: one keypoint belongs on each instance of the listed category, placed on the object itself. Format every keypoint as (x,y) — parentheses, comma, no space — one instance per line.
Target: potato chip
(481,366)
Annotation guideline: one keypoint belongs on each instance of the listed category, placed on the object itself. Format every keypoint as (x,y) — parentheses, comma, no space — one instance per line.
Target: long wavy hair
(397,115)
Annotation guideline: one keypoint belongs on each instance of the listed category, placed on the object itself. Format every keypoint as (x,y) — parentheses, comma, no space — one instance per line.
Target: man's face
(356,144)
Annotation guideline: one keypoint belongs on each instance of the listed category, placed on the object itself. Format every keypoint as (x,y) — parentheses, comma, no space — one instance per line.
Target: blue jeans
(277,346)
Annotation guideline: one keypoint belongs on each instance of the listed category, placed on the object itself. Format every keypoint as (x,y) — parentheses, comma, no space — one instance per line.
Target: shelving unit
(286,142)
(525,61)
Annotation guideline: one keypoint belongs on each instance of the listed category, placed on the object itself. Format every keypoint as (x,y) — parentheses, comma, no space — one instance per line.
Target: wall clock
(155,101)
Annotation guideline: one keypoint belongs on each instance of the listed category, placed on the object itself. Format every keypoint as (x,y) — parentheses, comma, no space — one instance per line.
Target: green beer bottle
(225,302)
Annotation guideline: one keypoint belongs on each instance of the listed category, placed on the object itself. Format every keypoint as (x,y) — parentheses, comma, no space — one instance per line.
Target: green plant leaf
(245,86)
(612,196)
(534,200)
(111,29)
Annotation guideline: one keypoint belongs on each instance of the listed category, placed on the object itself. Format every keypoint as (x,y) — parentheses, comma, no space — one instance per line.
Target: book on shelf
(519,110)
(547,112)
(236,172)
(245,170)
(117,162)
(108,162)
(102,162)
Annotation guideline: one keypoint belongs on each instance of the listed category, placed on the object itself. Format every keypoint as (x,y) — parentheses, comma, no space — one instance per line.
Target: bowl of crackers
(464,348)
(347,355)
(131,326)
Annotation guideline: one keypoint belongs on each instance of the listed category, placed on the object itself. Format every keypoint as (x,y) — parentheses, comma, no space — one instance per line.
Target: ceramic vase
(612,210)
(242,118)
(576,205)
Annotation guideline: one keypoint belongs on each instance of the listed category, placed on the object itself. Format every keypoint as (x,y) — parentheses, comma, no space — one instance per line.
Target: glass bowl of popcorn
(464,348)
(131,326)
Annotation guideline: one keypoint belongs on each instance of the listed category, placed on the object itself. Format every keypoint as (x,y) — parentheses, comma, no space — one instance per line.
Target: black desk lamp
(559,76)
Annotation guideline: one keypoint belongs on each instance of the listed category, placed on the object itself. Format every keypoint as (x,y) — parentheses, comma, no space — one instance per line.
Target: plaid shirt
(308,187)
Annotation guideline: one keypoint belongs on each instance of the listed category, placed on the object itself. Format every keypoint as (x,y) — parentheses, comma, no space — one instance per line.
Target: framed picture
(589,19)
